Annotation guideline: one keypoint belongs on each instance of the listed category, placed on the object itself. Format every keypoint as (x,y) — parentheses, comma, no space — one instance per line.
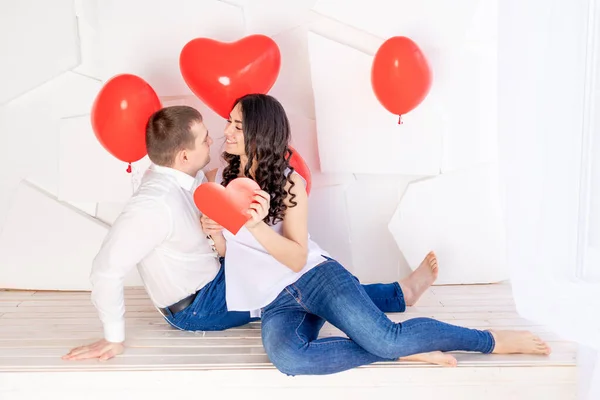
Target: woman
(273,265)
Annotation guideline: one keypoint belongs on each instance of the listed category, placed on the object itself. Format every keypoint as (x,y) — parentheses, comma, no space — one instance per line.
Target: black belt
(179,306)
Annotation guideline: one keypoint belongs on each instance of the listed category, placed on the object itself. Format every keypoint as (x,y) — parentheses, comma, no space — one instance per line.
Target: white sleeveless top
(253,277)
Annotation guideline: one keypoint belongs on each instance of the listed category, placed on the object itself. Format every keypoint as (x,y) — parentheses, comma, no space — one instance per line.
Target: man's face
(199,157)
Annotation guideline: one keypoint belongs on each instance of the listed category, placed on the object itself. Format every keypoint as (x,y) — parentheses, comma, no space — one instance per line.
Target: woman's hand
(210,227)
(259,209)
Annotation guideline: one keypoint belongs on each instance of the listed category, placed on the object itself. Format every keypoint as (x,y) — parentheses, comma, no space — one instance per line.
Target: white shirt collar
(186,181)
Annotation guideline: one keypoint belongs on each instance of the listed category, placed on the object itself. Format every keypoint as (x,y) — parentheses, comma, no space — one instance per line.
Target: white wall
(362,161)
(549,68)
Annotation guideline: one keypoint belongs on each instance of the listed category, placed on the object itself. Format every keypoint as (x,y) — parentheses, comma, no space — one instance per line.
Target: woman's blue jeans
(291,324)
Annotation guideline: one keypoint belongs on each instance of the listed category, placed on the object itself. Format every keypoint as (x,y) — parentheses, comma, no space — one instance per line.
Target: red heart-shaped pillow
(227,206)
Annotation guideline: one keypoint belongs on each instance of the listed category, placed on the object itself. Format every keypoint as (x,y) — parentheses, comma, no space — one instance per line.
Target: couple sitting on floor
(271,268)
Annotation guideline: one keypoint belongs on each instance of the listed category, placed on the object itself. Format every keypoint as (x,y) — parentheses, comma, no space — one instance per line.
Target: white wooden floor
(36,328)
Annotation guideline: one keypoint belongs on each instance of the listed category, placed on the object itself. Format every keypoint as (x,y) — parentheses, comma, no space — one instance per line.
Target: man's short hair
(168,132)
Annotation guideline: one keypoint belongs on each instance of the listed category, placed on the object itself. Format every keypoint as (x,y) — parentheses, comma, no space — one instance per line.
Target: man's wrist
(114,332)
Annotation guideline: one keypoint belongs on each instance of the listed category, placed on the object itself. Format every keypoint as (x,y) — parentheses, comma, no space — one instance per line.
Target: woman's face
(234,134)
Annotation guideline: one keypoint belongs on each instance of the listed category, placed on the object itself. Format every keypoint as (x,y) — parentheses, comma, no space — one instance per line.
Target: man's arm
(140,228)
(210,227)
(215,233)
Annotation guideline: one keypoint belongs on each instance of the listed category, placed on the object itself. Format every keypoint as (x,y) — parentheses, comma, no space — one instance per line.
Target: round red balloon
(219,73)
(300,166)
(120,114)
(400,75)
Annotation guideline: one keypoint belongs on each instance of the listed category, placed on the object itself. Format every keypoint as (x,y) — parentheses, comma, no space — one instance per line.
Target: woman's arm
(291,248)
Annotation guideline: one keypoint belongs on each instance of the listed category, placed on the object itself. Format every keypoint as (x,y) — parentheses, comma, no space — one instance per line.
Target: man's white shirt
(159,231)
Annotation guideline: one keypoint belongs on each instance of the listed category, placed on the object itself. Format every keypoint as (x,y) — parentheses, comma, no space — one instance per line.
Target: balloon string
(400,120)
(129,168)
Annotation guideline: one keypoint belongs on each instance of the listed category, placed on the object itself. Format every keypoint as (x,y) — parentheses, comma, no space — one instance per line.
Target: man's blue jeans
(209,312)
(291,324)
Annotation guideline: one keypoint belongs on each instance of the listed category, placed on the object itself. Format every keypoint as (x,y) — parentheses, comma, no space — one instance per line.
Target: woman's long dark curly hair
(266,138)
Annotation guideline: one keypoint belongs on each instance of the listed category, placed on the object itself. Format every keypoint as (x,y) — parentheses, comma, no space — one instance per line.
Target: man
(160,230)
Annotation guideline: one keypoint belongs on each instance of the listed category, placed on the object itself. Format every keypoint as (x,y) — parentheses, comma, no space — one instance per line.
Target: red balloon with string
(400,75)
(119,116)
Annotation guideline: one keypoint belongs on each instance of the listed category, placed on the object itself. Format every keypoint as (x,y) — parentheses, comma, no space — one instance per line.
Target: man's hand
(102,349)
(210,227)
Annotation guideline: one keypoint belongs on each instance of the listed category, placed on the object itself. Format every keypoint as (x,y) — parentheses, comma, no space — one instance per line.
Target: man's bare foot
(434,357)
(420,280)
(518,342)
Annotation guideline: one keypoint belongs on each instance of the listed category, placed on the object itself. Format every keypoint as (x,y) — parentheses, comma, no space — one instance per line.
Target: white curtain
(549,152)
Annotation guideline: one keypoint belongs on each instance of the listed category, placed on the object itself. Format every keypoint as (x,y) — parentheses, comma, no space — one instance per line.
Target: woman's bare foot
(434,357)
(420,280)
(518,342)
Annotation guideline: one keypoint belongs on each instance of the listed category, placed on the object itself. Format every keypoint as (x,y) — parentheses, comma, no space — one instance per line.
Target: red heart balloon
(400,75)
(227,206)
(219,73)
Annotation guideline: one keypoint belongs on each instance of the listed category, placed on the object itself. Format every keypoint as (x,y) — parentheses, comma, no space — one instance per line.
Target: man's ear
(181,157)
